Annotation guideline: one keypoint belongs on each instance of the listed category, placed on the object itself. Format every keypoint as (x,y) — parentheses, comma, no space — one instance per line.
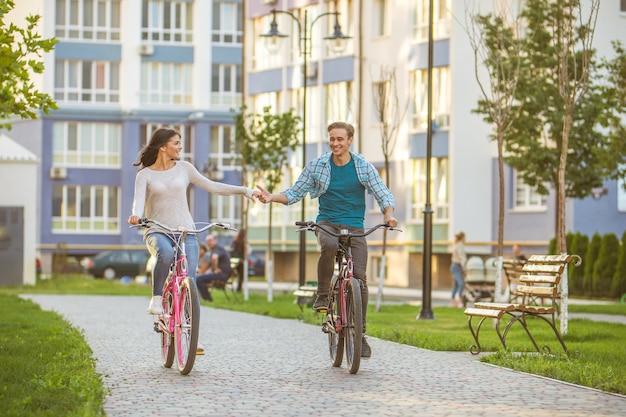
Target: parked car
(117,263)
(256,263)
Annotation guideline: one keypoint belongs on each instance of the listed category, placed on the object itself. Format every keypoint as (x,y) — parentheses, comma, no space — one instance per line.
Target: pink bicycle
(179,324)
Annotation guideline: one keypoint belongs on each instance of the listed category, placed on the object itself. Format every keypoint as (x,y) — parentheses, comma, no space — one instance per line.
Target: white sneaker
(156,305)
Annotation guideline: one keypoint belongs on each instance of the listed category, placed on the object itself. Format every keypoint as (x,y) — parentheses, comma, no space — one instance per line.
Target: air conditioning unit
(58,173)
(146,49)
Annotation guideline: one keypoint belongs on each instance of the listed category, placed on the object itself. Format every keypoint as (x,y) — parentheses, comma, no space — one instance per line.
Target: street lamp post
(274,38)
(426,312)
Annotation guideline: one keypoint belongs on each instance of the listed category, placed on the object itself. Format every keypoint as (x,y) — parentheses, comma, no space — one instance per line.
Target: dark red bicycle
(344,317)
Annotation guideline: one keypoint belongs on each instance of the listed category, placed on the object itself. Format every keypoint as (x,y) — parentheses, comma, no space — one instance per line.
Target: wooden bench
(305,295)
(513,269)
(539,295)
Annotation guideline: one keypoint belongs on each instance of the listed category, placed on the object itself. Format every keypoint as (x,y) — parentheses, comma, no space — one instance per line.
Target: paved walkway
(260,366)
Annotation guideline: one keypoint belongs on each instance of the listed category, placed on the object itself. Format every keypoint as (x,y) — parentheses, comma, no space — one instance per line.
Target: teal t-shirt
(344,201)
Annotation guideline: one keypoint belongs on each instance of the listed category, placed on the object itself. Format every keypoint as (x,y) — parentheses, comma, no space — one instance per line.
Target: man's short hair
(342,125)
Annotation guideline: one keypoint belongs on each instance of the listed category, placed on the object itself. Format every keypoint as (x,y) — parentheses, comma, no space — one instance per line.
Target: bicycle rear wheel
(335,339)
(353,334)
(186,331)
(167,338)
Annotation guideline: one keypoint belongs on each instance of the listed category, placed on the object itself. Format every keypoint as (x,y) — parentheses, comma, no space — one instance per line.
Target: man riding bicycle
(339,179)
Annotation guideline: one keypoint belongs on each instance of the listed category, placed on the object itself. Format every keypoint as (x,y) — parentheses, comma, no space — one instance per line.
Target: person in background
(517,253)
(161,194)
(339,179)
(237,251)
(203,251)
(457,268)
(216,267)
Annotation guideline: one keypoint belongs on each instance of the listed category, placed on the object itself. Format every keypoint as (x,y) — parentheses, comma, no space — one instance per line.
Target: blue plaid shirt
(315,179)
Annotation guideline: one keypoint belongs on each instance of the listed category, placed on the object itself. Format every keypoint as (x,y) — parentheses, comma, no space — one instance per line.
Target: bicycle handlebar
(311,225)
(145,222)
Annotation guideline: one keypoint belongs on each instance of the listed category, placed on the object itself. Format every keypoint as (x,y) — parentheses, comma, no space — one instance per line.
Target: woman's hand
(133,220)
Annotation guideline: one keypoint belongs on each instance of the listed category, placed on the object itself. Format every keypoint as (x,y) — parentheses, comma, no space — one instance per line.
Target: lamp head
(338,41)
(273,38)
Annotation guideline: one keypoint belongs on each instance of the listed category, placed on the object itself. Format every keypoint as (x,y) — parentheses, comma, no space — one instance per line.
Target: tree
(498,48)
(21,50)
(390,115)
(590,258)
(263,141)
(579,247)
(560,139)
(618,286)
(604,267)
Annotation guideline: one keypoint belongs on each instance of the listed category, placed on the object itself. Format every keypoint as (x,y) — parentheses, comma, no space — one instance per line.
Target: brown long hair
(160,137)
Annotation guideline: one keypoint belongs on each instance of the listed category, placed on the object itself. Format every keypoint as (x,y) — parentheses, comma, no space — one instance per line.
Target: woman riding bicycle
(339,179)
(161,194)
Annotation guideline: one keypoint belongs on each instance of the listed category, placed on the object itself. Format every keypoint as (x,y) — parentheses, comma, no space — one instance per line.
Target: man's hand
(389,217)
(264,196)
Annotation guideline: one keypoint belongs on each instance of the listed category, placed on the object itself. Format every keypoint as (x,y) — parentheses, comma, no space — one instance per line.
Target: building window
(222,148)
(225,209)
(87,20)
(85,209)
(226,86)
(380,18)
(227,23)
(165,83)
(87,81)
(86,145)
(441,98)
(527,198)
(167,21)
(339,103)
(441,19)
(186,132)
(438,189)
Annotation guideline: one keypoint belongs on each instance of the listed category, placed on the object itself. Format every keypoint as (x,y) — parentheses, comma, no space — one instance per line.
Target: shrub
(618,286)
(579,246)
(605,265)
(552,246)
(590,258)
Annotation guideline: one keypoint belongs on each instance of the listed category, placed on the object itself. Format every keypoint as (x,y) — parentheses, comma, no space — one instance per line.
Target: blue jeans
(457,272)
(162,247)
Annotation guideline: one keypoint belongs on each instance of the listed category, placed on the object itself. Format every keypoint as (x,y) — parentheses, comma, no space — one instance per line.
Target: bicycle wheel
(353,334)
(167,338)
(335,339)
(186,332)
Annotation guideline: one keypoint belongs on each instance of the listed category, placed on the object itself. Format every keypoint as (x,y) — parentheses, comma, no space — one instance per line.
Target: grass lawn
(598,357)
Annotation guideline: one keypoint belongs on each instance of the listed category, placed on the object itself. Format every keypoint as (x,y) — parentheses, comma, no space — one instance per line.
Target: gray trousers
(326,263)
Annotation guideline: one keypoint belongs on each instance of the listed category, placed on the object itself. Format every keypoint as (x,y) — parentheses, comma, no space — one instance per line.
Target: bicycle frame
(345,273)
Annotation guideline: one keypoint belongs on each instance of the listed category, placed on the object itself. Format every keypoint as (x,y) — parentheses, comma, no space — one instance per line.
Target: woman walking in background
(459,258)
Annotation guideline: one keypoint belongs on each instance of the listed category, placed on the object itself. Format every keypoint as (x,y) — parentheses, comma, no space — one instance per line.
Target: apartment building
(124,67)
(121,69)
(392,35)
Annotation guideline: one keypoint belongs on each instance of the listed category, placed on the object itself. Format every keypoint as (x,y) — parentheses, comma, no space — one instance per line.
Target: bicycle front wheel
(335,338)
(186,331)
(167,337)
(353,334)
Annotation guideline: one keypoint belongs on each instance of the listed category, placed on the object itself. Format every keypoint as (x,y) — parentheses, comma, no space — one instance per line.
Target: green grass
(598,349)
(47,368)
